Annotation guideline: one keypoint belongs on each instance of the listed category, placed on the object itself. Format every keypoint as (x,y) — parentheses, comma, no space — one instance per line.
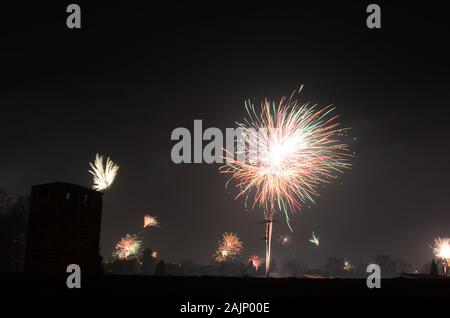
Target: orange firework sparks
(150,221)
(229,247)
(256,261)
(292,149)
(222,255)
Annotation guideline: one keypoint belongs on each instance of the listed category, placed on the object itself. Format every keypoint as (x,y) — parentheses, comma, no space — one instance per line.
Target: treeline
(289,267)
(14,212)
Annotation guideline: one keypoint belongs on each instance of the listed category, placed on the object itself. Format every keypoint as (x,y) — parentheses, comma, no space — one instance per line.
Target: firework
(150,221)
(104,175)
(315,239)
(347,266)
(292,150)
(441,250)
(232,242)
(229,247)
(222,255)
(256,261)
(284,240)
(128,247)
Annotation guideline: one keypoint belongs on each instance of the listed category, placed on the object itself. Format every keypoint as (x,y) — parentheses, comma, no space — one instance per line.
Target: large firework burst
(290,150)
(441,250)
(128,247)
(229,247)
(104,175)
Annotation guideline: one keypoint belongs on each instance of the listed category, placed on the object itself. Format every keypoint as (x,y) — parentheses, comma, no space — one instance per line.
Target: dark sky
(133,73)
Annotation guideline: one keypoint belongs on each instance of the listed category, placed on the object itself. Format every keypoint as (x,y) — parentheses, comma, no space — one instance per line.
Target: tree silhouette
(148,261)
(334,266)
(13,225)
(124,266)
(388,266)
(160,269)
(434,270)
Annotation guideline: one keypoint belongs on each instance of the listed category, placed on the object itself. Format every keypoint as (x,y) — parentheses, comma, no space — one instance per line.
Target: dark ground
(168,294)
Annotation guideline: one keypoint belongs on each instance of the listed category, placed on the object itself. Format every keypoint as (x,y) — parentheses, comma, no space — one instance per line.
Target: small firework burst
(128,247)
(150,221)
(256,261)
(347,266)
(229,247)
(232,242)
(104,175)
(315,239)
(441,250)
(284,240)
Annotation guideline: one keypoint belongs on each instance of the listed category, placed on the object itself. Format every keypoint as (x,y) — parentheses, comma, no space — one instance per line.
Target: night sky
(132,74)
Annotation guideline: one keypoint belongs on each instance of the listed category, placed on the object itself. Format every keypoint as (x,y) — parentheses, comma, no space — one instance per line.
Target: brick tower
(64,228)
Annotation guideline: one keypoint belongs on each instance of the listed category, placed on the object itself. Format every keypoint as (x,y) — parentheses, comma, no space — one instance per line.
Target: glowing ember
(284,240)
(347,266)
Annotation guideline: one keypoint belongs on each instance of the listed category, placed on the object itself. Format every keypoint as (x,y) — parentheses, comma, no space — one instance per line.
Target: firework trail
(229,247)
(150,221)
(128,247)
(256,261)
(441,250)
(103,175)
(315,239)
(292,150)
